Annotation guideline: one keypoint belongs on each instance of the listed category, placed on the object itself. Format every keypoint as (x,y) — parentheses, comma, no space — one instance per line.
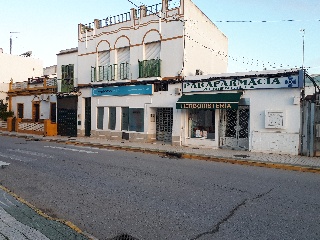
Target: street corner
(20,220)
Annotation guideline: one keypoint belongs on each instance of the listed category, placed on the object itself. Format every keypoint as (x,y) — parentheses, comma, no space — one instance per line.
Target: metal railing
(110,72)
(150,68)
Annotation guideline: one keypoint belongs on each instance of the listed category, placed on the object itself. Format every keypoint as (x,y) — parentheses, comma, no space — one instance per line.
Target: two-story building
(131,65)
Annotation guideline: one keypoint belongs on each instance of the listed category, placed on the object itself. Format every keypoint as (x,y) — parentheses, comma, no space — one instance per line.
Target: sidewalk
(21,221)
(281,161)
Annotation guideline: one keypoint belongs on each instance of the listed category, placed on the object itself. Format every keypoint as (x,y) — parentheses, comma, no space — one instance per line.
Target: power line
(242,60)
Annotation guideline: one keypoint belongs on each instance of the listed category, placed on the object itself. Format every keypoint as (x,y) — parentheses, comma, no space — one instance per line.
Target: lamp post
(303,33)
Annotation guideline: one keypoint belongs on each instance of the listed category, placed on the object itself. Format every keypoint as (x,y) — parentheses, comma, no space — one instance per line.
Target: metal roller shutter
(152,50)
(123,55)
(104,58)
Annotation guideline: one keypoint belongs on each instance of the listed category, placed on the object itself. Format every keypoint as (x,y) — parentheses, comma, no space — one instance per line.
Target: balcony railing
(150,68)
(67,85)
(110,72)
(34,84)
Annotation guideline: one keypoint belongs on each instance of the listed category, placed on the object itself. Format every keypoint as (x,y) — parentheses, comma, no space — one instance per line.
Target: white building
(255,111)
(19,68)
(130,69)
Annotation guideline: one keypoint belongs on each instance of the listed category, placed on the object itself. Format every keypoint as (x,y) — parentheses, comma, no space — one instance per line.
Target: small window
(125,118)
(100,116)
(20,110)
(53,112)
(161,86)
(112,118)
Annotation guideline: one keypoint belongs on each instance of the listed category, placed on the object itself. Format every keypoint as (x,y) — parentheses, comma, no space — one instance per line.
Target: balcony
(150,68)
(33,85)
(110,72)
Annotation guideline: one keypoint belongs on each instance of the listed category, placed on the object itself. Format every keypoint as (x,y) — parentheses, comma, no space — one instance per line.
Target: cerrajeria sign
(242,83)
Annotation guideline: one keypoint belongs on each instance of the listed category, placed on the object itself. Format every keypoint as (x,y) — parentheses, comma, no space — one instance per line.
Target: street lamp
(303,33)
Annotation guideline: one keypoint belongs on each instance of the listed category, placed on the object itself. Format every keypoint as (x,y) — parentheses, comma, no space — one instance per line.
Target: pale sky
(271,40)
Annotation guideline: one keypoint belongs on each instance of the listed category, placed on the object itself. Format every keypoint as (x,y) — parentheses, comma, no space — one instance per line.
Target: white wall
(282,140)
(206,46)
(27,105)
(66,59)
(19,68)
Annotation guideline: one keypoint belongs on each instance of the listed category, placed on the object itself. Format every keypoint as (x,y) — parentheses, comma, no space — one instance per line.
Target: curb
(42,214)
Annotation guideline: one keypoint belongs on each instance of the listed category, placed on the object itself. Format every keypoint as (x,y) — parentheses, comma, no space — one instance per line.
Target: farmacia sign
(242,84)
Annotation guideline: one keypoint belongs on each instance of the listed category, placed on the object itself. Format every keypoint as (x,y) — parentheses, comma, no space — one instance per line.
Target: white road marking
(71,149)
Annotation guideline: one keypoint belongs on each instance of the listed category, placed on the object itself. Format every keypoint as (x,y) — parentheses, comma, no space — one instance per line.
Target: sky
(262,34)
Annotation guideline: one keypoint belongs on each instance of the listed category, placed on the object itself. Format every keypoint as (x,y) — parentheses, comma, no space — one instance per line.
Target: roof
(66,51)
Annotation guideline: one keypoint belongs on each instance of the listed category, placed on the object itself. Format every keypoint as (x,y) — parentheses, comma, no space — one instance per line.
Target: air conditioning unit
(177,91)
(199,72)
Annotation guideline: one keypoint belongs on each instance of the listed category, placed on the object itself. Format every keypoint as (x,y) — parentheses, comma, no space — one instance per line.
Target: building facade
(130,69)
(259,112)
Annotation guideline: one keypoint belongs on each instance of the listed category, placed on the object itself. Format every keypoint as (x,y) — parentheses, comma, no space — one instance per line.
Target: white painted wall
(27,105)
(206,47)
(19,68)
(66,59)
(264,139)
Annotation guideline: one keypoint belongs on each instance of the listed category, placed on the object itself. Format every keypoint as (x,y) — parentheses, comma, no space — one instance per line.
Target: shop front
(203,119)
(258,113)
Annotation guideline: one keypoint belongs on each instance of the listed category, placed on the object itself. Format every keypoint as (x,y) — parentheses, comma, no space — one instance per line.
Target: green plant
(4,113)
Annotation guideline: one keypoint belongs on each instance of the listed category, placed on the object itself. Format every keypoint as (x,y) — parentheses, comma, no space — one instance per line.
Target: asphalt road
(108,193)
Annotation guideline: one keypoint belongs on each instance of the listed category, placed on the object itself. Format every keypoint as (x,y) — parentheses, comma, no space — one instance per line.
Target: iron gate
(67,116)
(164,122)
(234,128)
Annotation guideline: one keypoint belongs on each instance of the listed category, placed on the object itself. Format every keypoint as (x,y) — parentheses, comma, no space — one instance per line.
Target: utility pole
(11,40)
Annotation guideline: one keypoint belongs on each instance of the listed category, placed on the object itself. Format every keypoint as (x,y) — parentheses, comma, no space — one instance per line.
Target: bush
(4,113)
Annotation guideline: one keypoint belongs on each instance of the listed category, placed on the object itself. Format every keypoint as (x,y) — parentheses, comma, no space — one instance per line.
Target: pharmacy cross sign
(242,84)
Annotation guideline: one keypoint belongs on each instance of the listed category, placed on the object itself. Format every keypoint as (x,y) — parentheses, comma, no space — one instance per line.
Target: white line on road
(70,149)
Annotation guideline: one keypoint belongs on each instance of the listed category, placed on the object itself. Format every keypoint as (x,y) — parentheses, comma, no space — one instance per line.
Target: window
(202,123)
(67,72)
(125,118)
(161,86)
(53,111)
(123,60)
(20,110)
(152,50)
(112,118)
(100,115)
(136,119)
(104,58)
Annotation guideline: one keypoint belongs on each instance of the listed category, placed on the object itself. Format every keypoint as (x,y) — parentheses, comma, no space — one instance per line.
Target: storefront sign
(242,84)
(123,90)
(207,105)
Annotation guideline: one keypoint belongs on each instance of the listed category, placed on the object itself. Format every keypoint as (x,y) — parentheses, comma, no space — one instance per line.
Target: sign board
(242,84)
(123,90)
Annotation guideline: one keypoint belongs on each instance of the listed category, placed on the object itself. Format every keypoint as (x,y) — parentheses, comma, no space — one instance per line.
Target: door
(164,122)
(67,116)
(36,111)
(234,128)
(87,121)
